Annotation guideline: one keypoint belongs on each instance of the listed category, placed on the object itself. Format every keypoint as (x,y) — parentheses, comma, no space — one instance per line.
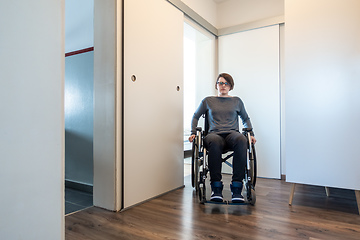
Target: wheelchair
(200,167)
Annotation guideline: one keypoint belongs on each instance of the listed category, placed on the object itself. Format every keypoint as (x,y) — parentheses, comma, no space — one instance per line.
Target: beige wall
(236,12)
(107,105)
(153,136)
(205,8)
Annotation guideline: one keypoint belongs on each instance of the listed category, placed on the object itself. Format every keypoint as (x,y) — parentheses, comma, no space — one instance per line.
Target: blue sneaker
(216,194)
(236,189)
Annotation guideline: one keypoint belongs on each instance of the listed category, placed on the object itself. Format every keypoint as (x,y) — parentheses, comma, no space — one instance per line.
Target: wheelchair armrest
(248,130)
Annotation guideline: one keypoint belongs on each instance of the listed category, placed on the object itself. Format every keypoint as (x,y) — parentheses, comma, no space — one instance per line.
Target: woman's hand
(253,139)
(191,138)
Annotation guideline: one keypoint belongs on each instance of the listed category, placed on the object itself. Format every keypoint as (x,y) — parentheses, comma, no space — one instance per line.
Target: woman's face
(223,87)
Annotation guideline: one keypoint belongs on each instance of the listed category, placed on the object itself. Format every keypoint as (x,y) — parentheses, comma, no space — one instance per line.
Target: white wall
(79,24)
(32,119)
(79,91)
(235,12)
(322,58)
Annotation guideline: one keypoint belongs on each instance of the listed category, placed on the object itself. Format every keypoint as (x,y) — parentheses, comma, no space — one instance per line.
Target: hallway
(76,200)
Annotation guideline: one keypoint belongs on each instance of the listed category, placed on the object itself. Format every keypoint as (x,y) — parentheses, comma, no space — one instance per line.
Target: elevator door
(153,99)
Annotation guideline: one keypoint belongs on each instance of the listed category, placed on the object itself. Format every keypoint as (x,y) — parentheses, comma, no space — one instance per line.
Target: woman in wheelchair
(222,113)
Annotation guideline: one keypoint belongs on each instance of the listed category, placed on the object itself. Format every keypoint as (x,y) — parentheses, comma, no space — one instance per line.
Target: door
(252,58)
(153,99)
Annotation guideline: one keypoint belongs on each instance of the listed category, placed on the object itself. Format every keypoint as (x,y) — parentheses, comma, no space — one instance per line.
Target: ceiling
(219,1)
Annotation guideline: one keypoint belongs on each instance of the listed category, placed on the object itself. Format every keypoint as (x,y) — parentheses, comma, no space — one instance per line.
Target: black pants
(216,143)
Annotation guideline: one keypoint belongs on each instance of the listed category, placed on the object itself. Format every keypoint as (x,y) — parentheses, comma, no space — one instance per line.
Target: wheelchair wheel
(253,168)
(252,173)
(195,163)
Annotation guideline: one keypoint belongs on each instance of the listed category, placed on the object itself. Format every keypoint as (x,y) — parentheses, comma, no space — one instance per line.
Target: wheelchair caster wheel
(202,193)
(252,198)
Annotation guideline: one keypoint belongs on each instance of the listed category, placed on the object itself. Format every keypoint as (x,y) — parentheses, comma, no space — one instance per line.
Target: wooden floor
(178,215)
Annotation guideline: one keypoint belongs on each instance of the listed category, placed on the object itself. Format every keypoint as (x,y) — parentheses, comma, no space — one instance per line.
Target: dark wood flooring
(178,215)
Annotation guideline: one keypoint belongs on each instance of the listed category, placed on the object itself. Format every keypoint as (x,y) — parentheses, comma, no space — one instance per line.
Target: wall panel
(322,50)
(32,60)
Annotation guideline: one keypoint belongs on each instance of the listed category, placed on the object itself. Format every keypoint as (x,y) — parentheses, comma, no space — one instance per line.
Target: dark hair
(228,78)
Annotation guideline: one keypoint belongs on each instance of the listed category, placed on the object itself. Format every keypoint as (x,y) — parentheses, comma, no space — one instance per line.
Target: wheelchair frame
(200,169)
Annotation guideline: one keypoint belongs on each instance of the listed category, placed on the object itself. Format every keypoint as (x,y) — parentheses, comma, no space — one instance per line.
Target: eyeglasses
(222,83)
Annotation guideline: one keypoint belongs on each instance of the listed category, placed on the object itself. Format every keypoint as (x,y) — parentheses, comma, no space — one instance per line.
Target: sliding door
(153,99)
(252,58)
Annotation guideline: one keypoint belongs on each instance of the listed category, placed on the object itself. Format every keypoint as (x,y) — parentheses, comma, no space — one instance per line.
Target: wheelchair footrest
(227,202)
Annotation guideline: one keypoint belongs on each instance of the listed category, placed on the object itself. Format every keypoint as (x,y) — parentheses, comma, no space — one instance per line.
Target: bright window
(199,71)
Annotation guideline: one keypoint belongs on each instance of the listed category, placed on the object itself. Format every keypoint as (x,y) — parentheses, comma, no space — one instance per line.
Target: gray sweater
(223,114)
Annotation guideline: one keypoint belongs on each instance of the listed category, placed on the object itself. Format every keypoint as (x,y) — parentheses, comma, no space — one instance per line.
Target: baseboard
(79,186)
(187,153)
